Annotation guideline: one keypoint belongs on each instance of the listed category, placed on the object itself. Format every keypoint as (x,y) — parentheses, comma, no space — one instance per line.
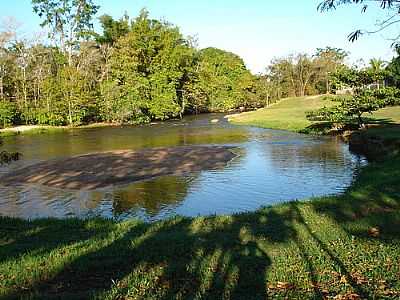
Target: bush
(9,114)
(352,108)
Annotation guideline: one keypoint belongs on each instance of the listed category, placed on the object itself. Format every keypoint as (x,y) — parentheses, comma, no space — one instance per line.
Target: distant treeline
(134,71)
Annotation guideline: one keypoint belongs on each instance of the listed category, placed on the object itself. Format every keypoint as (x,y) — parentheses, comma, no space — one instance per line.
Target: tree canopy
(133,71)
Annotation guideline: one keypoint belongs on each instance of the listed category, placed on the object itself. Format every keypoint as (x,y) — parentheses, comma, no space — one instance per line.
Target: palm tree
(377,66)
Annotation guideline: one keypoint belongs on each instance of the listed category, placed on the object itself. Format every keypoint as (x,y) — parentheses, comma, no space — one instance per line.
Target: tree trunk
(24,89)
(361,124)
(328,89)
(182,108)
(1,89)
(69,113)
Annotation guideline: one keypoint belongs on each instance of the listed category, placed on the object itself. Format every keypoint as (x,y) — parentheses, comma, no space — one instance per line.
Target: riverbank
(43,129)
(380,140)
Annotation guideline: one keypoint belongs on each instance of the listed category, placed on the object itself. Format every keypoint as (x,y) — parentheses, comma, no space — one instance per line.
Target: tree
(132,72)
(8,113)
(305,70)
(69,21)
(377,71)
(328,61)
(295,74)
(149,65)
(344,77)
(354,77)
(112,29)
(352,108)
(6,64)
(391,6)
(222,78)
(393,69)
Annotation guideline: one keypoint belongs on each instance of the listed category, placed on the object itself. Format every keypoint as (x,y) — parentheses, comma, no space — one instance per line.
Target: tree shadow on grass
(378,121)
(326,250)
(372,201)
(329,127)
(39,237)
(207,258)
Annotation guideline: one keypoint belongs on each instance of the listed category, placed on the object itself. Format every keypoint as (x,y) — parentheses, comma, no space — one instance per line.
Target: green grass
(392,114)
(388,124)
(298,250)
(288,114)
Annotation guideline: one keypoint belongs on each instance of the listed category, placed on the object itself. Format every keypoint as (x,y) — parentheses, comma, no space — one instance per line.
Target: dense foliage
(133,72)
(302,74)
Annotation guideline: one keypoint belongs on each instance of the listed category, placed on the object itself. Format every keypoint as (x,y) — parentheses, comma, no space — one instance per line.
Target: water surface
(272,166)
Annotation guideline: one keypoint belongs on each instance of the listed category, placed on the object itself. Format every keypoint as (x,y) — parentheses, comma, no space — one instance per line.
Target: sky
(257,30)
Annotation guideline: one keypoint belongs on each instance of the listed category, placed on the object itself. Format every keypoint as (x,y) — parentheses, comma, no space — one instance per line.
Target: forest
(139,69)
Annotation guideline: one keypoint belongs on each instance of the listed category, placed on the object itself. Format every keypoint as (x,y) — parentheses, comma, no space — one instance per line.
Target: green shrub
(8,113)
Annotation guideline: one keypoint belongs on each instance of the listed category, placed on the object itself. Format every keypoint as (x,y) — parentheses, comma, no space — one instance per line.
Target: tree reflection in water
(150,196)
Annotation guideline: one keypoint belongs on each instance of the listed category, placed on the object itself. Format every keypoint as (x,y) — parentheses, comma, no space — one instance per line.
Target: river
(273,166)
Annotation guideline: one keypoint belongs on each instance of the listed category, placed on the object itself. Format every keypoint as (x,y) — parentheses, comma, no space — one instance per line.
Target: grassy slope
(340,245)
(288,114)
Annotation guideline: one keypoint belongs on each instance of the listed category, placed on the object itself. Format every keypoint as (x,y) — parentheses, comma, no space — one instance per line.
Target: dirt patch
(99,170)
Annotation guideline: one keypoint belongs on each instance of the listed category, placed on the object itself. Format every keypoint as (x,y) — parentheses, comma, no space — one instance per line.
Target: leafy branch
(352,108)
(394,18)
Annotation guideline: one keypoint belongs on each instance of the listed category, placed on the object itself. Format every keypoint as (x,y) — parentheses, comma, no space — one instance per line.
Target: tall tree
(328,61)
(69,21)
(148,66)
(394,69)
(296,74)
(222,78)
(377,71)
(112,29)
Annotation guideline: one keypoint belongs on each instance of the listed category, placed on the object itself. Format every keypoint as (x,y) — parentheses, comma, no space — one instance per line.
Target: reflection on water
(273,166)
(151,197)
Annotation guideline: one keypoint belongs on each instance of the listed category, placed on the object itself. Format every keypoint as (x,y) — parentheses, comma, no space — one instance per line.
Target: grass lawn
(345,245)
(288,114)
(392,114)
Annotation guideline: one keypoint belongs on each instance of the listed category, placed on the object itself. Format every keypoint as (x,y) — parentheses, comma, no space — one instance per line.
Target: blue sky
(257,30)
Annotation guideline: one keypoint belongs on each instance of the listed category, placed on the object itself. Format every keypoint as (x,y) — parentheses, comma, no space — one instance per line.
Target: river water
(272,166)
